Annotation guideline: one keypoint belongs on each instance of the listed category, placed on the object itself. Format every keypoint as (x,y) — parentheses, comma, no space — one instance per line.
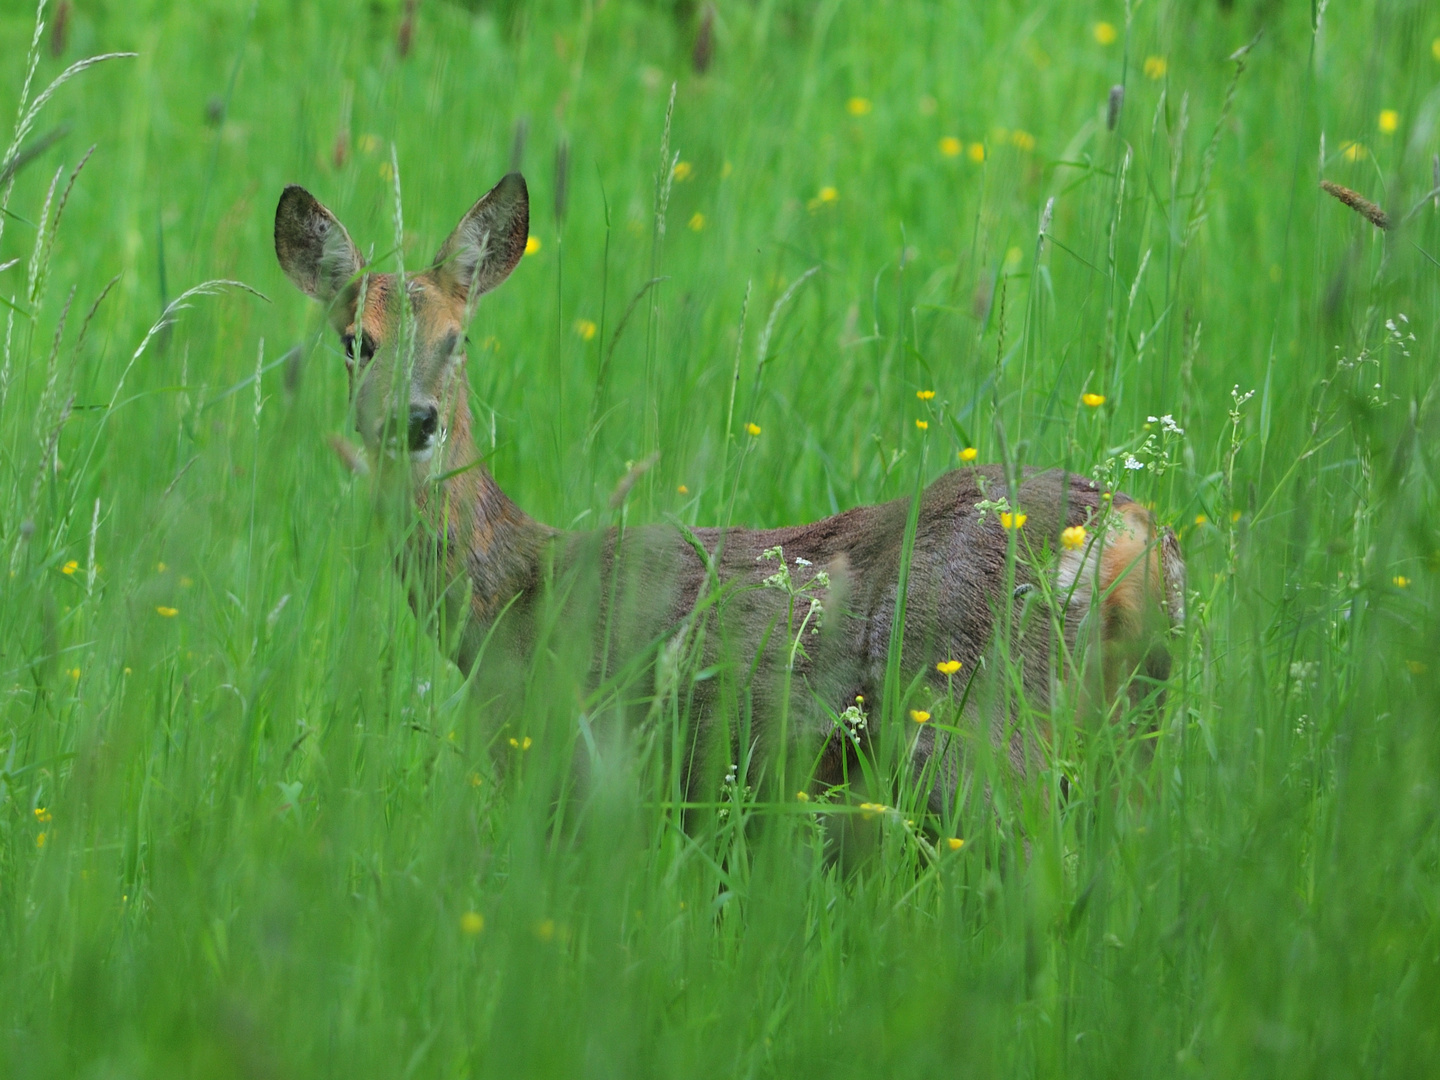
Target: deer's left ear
(488,242)
(314,249)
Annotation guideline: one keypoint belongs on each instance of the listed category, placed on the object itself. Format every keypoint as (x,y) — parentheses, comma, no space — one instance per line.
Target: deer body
(500,577)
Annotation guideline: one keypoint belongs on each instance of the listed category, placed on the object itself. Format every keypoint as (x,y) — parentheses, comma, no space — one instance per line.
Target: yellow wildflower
(923,425)
(954,843)
(74,673)
(1234,516)
(545,929)
(1013,257)
(920,716)
(976,153)
(969,454)
(1401,581)
(1353,151)
(950,146)
(1417,667)
(40,840)
(522,744)
(1105,33)
(1093,400)
(472,922)
(1013,521)
(683,171)
(387,171)
(1389,121)
(948,667)
(167,612)
(42,814)
(752,428)
(697,221)
(476,780)
(871,808)
(586,329)
(160,567)
(70,567)
(1022,140)
(925,395)
(683,490)
(1155,67)
(1073,538)
(802,796)
(367,143)
(1201,519)
(858,106)
(828,194)
(532,245)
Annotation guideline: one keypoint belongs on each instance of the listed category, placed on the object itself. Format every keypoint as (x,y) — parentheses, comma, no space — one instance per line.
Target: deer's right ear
(314,249)
(488,242)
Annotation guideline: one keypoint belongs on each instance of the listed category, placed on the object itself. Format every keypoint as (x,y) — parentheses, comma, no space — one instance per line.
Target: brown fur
(496,574)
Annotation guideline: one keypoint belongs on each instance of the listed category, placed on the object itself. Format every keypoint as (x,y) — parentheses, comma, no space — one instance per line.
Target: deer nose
(424,420)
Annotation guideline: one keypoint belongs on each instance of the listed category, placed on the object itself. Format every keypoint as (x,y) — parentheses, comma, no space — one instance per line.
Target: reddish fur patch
(1133,598)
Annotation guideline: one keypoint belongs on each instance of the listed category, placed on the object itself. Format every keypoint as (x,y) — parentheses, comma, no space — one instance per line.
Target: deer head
(403,337)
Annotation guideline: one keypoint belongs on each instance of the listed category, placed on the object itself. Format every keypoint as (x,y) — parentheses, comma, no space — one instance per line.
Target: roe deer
(491,567)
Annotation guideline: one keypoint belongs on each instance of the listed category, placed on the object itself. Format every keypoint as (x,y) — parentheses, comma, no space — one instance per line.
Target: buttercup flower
(920,716)
(472,922)
(954,843)
(1013,521)
(925,395)
(1073,538)
(532,245)
(969,454)
(1105,33)
(586,329)
(1155,67)
(683,171)
(1093,400)
(976,153)
(752,428)
(923,425)
(697,221)
(948,667)
(1389,121)
(858,106)
(950,146)
(167,612)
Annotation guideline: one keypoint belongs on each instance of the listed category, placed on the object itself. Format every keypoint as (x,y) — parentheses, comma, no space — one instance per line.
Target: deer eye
(362,350)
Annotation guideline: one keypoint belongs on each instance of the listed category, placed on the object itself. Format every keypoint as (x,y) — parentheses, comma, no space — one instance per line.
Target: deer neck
(473,533)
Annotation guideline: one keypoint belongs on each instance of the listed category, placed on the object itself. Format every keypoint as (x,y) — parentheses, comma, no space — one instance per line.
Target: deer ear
(314,249)
(488,242)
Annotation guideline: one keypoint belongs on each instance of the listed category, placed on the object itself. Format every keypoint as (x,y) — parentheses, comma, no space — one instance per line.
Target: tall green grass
(247,825)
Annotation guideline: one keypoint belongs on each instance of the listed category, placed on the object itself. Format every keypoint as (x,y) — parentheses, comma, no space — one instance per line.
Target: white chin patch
(422,456)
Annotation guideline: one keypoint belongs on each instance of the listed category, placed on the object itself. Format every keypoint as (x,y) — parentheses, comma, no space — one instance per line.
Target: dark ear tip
(513,185)
(293,198)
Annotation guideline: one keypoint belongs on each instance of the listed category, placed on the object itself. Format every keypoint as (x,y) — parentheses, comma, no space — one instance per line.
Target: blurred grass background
(246,828)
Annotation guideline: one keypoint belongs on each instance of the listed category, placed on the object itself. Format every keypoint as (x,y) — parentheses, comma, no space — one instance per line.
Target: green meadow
(249,822)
